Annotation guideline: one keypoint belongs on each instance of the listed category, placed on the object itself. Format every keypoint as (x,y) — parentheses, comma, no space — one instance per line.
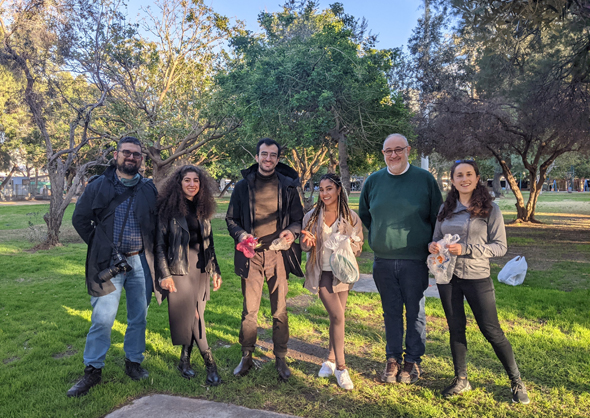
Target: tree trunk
(8,177)
(496,184)
(343,160)
(160,174)
(229,183)
(333,162)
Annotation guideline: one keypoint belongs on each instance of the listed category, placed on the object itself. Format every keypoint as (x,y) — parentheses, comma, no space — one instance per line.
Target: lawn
(45,314)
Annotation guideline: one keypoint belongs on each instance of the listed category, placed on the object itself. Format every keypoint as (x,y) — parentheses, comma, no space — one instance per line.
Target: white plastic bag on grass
(438,264)
(514,271)
(342,261)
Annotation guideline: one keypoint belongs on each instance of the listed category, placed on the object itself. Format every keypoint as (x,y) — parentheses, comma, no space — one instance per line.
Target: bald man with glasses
(399,205)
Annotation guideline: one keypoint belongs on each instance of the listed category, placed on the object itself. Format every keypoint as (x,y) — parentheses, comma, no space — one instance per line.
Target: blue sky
(392,20)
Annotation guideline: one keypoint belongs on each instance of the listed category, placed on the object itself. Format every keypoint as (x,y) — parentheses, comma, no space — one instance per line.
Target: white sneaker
(327,369)
(343,379)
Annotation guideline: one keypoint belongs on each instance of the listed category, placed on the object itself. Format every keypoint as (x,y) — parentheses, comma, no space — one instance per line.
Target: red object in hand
(247,246)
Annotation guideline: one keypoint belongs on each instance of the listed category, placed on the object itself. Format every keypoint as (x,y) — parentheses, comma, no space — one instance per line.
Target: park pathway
(157,406)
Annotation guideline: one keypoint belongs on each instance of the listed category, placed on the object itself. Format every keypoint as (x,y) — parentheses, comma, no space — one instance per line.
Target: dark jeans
(403,282)
(267,264)
(481,297)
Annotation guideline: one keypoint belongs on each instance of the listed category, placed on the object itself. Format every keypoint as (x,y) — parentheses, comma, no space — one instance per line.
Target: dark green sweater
(400,213)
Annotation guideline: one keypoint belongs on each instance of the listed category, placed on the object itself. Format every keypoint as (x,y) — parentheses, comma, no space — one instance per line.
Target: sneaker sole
(392,379)
(523,403)
(465,389)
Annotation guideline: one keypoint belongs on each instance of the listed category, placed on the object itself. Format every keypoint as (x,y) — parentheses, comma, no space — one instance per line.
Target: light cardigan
(313,272)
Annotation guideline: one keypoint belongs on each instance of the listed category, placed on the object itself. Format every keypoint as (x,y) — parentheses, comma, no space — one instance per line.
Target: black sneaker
(92,377)
(519,394)
(457,386)
(135,371)
(392,369)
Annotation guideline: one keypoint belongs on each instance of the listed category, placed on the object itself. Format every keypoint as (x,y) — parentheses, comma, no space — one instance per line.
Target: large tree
(47,44)
(167,96)
(313,79)
(501,96)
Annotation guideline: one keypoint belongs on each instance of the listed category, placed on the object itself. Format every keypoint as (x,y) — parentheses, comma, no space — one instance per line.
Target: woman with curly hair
(469,212)
(331,214)
(185,256)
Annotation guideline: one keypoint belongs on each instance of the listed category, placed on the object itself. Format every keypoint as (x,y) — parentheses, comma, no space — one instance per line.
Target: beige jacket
(313,272)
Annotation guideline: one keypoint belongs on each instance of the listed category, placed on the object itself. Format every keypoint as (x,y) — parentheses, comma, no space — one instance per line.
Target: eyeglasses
(127,154)
(272,155)
(398,151)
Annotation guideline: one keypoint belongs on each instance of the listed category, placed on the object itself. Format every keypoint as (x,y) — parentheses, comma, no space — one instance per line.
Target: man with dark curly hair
(116,217)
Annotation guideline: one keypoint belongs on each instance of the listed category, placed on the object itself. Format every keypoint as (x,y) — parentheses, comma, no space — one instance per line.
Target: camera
(120,265)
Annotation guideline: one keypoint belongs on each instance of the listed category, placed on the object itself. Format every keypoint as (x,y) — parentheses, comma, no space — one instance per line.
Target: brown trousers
(270,265)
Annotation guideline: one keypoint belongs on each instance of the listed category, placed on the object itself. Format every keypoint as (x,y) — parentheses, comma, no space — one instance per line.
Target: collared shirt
(132,240)
(407,168)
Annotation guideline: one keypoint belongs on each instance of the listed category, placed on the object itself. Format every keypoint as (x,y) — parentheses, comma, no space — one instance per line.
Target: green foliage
(309,78)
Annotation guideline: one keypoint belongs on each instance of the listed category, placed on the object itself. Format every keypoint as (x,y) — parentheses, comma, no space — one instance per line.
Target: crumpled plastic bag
(247,246)
(514,271)
(279,244)
(342,261)
(438,264)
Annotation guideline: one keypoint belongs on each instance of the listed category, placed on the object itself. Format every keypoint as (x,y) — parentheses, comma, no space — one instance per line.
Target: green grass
(45,315)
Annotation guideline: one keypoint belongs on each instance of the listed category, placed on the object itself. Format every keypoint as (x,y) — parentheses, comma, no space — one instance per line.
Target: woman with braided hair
(331,214)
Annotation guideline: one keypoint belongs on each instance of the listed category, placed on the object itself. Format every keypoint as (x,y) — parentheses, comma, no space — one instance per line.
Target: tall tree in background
(314,80)
(167,96)
(46,43)
(501,96)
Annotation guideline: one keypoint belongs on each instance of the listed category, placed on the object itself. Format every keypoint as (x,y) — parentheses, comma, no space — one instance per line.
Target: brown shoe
(392,369)
(410,373)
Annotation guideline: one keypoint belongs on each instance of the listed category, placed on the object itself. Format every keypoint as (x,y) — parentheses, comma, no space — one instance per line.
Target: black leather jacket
(171,250)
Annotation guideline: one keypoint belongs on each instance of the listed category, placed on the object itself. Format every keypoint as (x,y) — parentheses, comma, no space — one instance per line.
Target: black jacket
(240,213)
(172,248)
(96,227)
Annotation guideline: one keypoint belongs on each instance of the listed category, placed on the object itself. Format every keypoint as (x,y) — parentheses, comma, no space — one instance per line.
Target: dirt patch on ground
(298,350)
(565,239)
(11,360)
(299,304)
(68,353)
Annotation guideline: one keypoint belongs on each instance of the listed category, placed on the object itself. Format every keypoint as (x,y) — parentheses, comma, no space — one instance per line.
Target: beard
(127,169)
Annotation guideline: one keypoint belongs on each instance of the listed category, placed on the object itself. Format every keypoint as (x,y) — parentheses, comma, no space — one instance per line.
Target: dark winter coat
(240,213)
(172,248)
(96,227)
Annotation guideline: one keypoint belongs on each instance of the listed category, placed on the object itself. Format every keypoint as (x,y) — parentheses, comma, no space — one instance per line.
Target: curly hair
(343,209)
(480,203)
(171,199)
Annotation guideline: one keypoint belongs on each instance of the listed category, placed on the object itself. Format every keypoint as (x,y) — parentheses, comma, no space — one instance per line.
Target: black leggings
(481,297)
(335,304)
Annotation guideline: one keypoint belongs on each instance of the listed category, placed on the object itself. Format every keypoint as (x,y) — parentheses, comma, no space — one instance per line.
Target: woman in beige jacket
(331,214)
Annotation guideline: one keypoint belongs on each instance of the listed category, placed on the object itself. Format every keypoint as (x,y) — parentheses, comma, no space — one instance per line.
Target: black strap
(126,217)
(118,200)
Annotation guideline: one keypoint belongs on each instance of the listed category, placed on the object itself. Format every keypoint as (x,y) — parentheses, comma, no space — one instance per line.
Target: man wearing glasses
(399,205)
(264,204)
(116,217)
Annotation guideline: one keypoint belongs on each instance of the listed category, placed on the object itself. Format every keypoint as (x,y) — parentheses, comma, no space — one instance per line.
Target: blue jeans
(403,282)
(104,311)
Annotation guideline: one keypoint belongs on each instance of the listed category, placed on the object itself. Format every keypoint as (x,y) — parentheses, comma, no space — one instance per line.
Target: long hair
(480,203)
(171,199)
(343,209)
